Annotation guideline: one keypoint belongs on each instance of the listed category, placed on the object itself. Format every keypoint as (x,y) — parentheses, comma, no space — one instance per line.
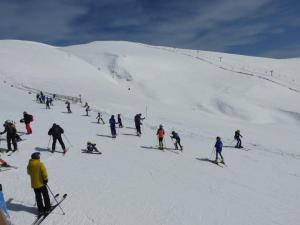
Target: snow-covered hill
(199,94)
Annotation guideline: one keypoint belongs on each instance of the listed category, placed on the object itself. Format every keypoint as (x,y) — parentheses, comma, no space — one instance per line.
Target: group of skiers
(37,170)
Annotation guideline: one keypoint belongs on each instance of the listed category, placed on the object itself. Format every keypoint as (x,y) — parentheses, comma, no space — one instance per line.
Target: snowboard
(85,151)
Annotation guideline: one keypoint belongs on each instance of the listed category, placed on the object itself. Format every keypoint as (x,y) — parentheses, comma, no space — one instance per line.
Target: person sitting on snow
(90,147)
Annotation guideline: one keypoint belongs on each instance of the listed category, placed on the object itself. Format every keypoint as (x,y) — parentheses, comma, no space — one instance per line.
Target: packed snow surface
(199,94)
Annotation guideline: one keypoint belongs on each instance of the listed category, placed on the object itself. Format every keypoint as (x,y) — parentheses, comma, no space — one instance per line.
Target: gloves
(45,182)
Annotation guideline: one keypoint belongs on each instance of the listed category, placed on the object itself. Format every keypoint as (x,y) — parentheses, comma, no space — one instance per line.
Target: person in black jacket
(56,131)
(237,137)
(120,121)
(177,140)
(11,135)
(112,123)
(138,122)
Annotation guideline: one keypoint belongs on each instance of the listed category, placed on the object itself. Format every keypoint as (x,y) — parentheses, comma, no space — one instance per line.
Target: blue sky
(253,27)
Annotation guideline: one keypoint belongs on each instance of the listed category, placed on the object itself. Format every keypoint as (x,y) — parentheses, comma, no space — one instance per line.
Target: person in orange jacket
(160,134)
(39,179)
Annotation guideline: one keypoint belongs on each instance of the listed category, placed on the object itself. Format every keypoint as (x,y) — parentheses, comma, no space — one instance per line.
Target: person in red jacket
(160,134)
(27,118)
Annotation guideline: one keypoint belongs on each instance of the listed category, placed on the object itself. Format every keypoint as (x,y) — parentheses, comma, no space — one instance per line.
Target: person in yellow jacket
(39,178)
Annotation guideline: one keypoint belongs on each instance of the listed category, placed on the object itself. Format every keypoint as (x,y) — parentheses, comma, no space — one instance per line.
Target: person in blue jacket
(113,123)
(219,146)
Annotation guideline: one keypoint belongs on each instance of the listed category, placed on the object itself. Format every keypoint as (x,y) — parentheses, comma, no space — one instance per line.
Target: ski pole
(49,142)
(212,152)
(55,199)
(68,140)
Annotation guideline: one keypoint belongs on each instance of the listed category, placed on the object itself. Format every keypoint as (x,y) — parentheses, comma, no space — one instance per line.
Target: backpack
(31,118)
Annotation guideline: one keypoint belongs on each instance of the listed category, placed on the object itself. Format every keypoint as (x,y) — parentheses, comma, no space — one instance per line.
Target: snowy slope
(132,183)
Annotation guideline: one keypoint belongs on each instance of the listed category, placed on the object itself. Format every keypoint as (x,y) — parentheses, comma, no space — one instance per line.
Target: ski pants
(177,142)
(160,142)
(69,110)
(28,128)
(14,142)
(101,120)
(239,142)
(120,124)
(218,152)
(138,129)
(40,194)
(113,131)
(60,142)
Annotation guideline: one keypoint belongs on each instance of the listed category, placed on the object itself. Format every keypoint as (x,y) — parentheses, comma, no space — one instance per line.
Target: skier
(87,109)
(120,121)
(68,107)
(137,120)
(39,179)
(113,123)
(99,117)
(160,134)
(56,131)
(218,147)
(91,147)
(11,135)
(48,103)
(177,140)
(237,137)
(37,97)
(27,118)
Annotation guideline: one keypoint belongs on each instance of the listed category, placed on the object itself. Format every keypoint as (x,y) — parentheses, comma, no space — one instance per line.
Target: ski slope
(193,92)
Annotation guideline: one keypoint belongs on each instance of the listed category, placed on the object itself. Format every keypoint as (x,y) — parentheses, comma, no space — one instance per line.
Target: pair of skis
(42,217)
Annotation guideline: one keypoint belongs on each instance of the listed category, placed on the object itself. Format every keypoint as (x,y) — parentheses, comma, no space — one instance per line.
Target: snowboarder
(91,147)
(237,137)
(113,123)
(11,135)
(27,119)
(48,103)
(120,121)
(87,109)
(99,117)
(39,179)
(137,120)
(177,140)
(56,131)
(218,147)
(68,107)
(160,134)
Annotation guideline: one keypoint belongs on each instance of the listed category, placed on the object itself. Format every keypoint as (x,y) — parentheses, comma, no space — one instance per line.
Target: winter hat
(35,155)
